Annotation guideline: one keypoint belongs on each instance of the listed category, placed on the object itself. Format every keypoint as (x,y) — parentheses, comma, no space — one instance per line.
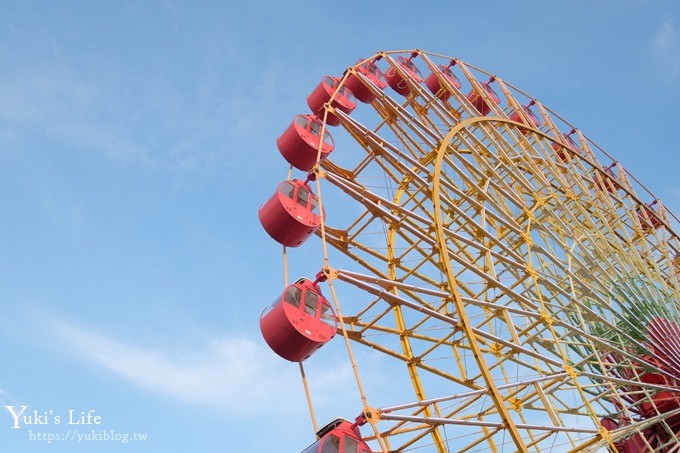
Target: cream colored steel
(330,277)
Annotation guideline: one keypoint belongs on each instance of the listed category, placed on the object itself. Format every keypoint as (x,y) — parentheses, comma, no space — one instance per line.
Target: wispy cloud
(133,118)
(53,100)
(234,374)
(7,398)
(666,44)
(231,373)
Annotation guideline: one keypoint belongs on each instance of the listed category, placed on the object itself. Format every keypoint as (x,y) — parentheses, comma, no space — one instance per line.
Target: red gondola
(299,144)
(396,81)
(479,102)
(534,121)
(663,338)
(611,425)
(647,217)
(291,215)
(636,443)
(339,436)
(571,144)
(432,82)
(370,71)
(344,100)
(666,401)
(607,180)
(299,322)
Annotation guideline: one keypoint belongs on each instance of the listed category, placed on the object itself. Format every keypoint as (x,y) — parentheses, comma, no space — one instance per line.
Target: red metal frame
(570,144)
(396,81)
(535,122)
(339,436)
(647,216)
(292,214)
(433,84)
(371,72)
(606,181)
(299,322)
(344,100)
(299,143)
(478,101)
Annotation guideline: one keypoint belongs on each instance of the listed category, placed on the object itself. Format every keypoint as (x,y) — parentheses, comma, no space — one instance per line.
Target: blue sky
(137,140)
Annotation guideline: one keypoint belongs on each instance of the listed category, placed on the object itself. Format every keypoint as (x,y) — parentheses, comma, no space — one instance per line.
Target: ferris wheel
(524,285)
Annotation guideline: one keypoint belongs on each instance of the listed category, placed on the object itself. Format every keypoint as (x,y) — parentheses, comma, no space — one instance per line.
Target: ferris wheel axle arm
(380,146)
(387,284)
(392,299)
(471,393)
(500,425)
(383,208)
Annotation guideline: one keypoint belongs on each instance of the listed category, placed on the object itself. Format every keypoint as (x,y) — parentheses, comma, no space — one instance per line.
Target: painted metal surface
(520,294)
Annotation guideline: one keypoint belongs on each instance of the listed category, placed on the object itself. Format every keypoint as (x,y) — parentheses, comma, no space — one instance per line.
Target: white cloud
(134,118)
(234,374)
(7,398)
(666,44)
(229,373)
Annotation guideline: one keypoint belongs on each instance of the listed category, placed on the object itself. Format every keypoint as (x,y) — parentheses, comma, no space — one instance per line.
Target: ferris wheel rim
(320,172)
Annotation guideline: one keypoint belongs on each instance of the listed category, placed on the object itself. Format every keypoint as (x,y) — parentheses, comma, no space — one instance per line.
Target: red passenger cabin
(478,101)
(299,144)
(299,322)
(531,116)
(606,180)
(646,402)
(344,100)
(571,144)
(396,81)
(434,85)
(339,436)
(633,444)
(292,214)
(371,72)
(647,216)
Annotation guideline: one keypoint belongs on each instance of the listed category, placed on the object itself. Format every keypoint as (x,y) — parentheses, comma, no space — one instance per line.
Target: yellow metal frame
(486,266)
